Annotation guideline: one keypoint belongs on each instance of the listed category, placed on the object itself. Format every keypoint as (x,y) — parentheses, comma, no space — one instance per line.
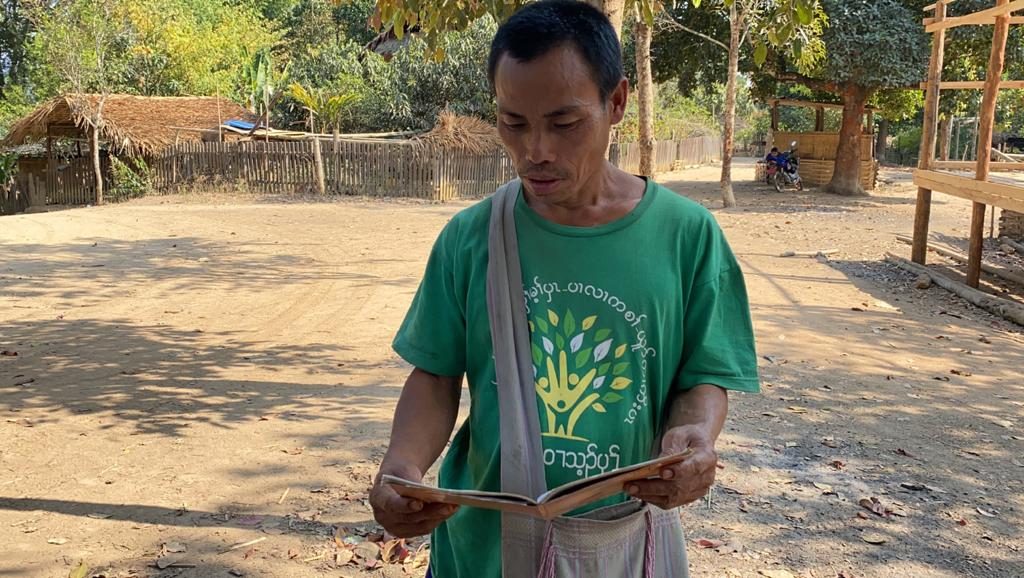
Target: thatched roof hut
(462,133)
(138,125)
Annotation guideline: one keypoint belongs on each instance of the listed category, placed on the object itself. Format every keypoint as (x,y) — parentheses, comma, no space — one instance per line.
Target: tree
(790,27)
(78,40)
(332,109)
(15,37)
(645,95)
(261,84)
(870,45)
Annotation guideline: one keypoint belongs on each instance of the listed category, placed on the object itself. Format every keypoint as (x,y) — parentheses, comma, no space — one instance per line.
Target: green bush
(132,179)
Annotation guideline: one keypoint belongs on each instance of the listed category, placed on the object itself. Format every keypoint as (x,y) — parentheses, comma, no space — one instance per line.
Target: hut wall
(817,152)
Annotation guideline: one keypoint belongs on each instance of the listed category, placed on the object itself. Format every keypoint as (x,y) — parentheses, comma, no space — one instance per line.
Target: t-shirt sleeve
(433,335)
(718,335)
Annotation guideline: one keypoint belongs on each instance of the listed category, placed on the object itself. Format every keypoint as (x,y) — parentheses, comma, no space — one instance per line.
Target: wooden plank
(926,158)
(980,17)
(997,194)
(1013,20)
(931,7)
(974,85)
(971,165)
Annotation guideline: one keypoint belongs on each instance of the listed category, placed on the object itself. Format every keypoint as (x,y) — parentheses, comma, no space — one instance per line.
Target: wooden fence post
(318,160)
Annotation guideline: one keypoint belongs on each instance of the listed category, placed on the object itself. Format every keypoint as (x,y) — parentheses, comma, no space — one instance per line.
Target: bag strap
(522,465)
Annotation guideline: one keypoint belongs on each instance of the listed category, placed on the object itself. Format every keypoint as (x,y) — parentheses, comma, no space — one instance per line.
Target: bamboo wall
(370,168)
(669,155)
(819,145)
(374,168)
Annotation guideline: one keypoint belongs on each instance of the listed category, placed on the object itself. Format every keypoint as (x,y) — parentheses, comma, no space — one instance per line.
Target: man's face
(553,121)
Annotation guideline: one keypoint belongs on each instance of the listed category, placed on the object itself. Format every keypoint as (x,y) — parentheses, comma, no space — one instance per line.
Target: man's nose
(539,147)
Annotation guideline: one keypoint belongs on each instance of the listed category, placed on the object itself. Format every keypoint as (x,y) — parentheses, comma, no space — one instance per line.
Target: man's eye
(514,125)
(566,125)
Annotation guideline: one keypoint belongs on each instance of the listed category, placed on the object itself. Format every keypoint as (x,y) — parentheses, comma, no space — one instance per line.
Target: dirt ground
(196,373)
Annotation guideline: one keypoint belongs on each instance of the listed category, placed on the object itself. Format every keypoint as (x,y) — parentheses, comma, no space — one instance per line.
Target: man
(637,309)
(773,159)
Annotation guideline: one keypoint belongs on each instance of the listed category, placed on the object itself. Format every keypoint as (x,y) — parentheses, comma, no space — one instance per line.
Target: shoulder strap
(522,465)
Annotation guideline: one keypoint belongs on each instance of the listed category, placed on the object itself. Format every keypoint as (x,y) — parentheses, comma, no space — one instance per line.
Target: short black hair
(775,149)
(540,27)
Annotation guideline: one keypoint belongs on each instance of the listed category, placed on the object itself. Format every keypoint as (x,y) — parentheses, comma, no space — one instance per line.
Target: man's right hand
(402,517)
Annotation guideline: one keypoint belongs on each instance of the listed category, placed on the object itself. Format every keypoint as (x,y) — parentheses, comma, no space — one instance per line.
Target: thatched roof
(462,133)
(134,124)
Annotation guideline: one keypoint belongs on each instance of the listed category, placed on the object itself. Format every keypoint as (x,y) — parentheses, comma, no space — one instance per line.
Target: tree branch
(669,21)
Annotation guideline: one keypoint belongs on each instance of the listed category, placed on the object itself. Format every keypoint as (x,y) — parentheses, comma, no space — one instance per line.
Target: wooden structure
(817,149)
(981,187)
(139,126)
(433,166)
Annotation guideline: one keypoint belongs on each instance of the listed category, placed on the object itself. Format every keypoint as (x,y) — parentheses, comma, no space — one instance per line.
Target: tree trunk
(94,146)
(728,198)
(846,177)
(645,95)
(881,138)
(945,134)
(613,9)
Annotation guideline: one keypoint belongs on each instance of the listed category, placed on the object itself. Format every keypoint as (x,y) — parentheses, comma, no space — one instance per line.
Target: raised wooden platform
(1005,190)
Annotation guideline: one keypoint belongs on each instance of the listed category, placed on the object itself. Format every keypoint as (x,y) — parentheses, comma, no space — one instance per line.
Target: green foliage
(132,179)
(898,104)
(331,109)
(16,31)
(151,47)
(261,83)
(873,44)
(674,115)
(14,105)
(8,168)
(409,91)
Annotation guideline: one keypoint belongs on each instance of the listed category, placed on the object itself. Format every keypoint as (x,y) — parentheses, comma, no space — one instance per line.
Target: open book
(548,505)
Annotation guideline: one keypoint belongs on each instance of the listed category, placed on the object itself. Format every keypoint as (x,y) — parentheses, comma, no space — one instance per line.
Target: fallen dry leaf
(829,442)
(986,513)
(875,506)
(9,353)
(81,571)
(837,464)
(294,451)
(394,551)
(824,488)
(343,557)
(367,550)
(705,543)
(875,539)
(797,409)
(165,562)
(57,541)
(961,522)
(903,452)
(960,372)
(174,548)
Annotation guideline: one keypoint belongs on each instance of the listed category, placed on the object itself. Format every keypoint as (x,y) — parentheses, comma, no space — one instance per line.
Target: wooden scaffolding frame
(933,175)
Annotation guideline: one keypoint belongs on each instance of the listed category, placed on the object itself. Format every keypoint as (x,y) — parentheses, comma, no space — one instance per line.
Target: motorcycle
(784,173)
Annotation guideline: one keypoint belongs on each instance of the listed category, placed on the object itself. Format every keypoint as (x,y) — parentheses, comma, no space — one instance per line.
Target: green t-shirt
(622,317)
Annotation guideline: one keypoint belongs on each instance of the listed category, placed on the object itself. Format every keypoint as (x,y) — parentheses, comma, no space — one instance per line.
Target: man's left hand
(687,481)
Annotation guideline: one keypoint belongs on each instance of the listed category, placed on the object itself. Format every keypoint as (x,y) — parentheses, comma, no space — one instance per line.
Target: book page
(558,501)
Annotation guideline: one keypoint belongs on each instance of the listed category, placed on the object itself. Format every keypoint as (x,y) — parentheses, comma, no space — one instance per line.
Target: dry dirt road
(196,373)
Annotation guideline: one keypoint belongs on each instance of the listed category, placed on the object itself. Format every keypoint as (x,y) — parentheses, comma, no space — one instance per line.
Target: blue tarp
(241,124)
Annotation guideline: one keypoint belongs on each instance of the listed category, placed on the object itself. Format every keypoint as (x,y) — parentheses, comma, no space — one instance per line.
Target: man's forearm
(704,405)
(424,419)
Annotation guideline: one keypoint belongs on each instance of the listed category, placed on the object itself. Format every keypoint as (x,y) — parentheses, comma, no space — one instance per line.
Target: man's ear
(617,101)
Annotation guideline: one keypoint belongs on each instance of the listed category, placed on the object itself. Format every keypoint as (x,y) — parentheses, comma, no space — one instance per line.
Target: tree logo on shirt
(576,369)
